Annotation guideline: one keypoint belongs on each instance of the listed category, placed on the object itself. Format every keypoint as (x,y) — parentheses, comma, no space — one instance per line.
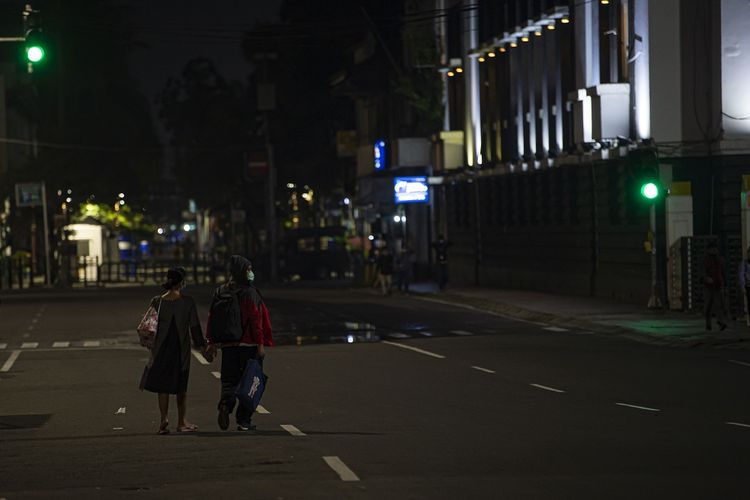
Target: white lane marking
(340,468)
(118,428)
(483,369)
(415,349)
(92,343)
(200,358)
(472,308)
(29,345)
(35,320)
(426,334)
(737,424)
(9,363)
(121,410)
(216,374)
(638,407)
(292,430)
(398,336)
(3,346)
(30,327)
(555,329)
(26,335)
(262,410)
(547,388)
(61,344)
(739,362)
(461,332)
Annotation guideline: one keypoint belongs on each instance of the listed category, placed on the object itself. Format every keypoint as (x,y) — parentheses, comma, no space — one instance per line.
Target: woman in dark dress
(169,367)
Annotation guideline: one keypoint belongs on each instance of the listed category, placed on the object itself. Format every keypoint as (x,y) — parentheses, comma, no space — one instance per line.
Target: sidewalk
(603,316)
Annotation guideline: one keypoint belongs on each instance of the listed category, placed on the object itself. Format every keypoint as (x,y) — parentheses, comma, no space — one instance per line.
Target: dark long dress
(168,369)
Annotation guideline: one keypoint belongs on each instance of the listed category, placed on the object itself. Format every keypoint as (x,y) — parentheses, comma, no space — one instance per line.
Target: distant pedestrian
(405,268)
(714,287)
(385,270)
(441,256)
(240,325)
(168,369)
(744,282)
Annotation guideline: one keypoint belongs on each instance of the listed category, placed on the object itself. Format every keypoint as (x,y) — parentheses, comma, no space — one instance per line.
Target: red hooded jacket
(256,322)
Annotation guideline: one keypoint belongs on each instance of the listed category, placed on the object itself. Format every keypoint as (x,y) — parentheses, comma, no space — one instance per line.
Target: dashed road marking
(646,408)
(292,430)
(92,343)
(216,374)
(485,370)
(29,345)
(737,424)
(260,409)
(35,320)
(461,332)
(555,329)
(739,362)
(9,363)
(3,346)
(30,327)
(415,349)
(340,468)
(200,358)
(426,334)
(64,343)
(398,336)
(547,388)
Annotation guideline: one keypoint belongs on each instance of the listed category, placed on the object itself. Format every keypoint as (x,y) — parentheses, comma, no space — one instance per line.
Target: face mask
(250,276)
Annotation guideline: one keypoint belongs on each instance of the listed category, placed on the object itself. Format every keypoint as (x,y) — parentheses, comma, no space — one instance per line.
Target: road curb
(513,311)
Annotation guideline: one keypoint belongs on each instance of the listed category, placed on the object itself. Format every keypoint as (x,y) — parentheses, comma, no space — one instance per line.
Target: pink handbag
(148,326)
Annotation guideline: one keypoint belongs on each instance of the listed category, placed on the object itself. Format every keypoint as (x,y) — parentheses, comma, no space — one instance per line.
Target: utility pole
(267,104)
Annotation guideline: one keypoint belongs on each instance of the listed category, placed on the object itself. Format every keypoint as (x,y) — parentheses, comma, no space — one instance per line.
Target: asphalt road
(369,397)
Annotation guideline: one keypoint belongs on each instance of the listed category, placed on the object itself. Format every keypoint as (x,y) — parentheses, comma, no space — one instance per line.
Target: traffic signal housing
(34,46)
(645,170)
(34,43)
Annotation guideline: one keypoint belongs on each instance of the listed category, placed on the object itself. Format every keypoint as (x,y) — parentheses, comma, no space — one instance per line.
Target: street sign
(256,164)
(29,194)
(411,190)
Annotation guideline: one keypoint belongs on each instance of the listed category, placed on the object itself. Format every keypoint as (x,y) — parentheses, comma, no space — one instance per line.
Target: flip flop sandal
(163,429)
(188,428)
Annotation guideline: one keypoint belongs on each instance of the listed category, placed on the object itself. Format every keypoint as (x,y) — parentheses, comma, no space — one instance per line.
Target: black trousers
(233,361)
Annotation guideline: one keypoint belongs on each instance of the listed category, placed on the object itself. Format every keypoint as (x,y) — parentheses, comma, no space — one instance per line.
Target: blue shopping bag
(252,385)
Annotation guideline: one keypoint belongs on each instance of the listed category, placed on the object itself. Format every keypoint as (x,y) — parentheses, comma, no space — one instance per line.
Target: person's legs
(747,300)
(708,307)
(721,314)
(181,409)
(164,410)
(231,371)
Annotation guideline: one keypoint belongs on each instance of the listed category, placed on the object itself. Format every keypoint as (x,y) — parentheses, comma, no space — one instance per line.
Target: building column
(473,120)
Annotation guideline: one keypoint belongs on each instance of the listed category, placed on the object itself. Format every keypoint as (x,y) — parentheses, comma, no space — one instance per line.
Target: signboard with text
(29,194)
(411,190)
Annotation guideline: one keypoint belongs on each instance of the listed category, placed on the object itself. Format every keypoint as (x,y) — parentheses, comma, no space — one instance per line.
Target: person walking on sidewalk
(405,268)
(385,270)
(168,369)
(744,281)
(240,325)
(441,255)
(714,287)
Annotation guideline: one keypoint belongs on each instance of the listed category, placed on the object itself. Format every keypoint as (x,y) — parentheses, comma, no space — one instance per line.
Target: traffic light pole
(654,302)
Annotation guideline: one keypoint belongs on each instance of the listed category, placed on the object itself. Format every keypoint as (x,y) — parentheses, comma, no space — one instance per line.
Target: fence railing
(90,271)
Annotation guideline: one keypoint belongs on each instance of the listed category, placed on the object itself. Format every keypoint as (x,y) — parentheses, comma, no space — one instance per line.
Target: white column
(639,69)
(473,121)
(735,67)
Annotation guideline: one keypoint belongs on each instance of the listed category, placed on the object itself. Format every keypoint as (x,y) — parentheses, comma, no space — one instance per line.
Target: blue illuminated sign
(411,190)
(379,150)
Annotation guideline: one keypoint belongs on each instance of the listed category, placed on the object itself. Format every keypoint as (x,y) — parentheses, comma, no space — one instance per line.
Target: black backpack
(226,318)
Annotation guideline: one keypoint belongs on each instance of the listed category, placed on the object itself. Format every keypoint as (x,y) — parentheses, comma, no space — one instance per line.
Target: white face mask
(250,276)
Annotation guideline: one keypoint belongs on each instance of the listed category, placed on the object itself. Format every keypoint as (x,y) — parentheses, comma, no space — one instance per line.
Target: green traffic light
(649,190)
(34,53)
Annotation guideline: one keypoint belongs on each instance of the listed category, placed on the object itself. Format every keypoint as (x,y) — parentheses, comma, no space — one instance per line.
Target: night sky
(175,31)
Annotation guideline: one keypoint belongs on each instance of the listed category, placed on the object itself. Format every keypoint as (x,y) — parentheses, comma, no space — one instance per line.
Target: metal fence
(90,272)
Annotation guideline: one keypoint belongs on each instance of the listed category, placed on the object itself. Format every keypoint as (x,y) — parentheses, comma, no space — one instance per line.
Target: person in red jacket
(713,280)
(256,335)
